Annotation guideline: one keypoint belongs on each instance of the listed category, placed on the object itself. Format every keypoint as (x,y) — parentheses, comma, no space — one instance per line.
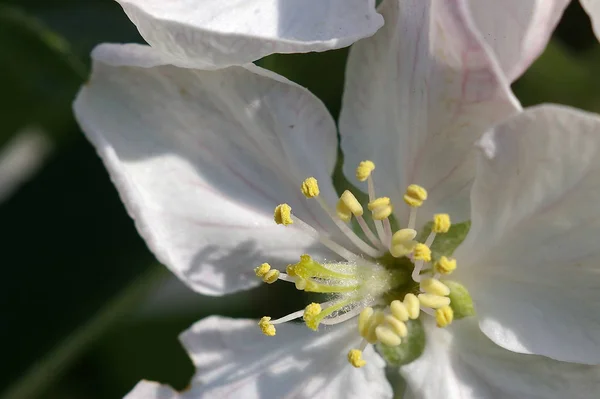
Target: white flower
(593,9)
(211,34)
(201,158)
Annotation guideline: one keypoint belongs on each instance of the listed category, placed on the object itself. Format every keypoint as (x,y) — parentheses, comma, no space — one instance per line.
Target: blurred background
(85,310)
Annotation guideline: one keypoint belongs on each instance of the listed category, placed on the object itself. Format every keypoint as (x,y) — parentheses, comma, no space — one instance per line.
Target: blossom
(218,33)
(593,9)
(203,158)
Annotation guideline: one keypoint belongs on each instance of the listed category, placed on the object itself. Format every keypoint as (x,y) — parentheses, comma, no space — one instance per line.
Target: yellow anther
(415,195)
(433,301)
(386,336)
(262,269)
(378,202)
(441,223)
(363,321)
(364,170)
(283,214)
(399,310)
(445,265)
(343,212)
(266,327)
(403,242)
(422,252)
(383,212)
(444,316)
(374,322)
(310,315)
(310,187)
(434,286)
(289,269)
(412,306)
(398,326)
(352,203)
(271,276)
(355,358)
(403,236)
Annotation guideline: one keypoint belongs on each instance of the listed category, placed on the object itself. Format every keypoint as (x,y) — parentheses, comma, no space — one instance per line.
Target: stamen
(433,301)
(363,320)
(444,316)
(355,358)
(411,302)
(365,228)
(370,166)
(422,252)
(364,170)
(386,336)
(403,243)
(445,265)
(382,212)
(292,316)
(268,276)
(286,278)
(375,320)
(351,203)
(398,326)
(266,327)
(378,202)
(314,318)
(387,229)
(430,239)
(415,195)
(310,187)
(412,218)
(356,240)
(282,214)
(310,315)
(435,287)
(441,223)
(342,211)
(399,310)
(363,246)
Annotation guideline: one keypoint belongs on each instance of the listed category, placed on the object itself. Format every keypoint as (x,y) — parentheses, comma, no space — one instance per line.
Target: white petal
(201,158)
(531,260)
(462,363)
(235,360)
(418,94)
(152,390)
(211,34)
(517,30)
(593,9)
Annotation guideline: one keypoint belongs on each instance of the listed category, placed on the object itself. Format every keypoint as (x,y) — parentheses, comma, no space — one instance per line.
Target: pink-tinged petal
(234,360)
(418,94)
(201,158)
(212,34)
(460,362)
(516,30)
(531,260)
(593,9)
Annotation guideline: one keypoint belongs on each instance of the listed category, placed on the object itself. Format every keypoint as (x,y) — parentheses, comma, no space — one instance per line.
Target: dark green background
(79,311)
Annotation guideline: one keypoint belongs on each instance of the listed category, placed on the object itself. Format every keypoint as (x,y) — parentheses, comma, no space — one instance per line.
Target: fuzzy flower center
(390,280)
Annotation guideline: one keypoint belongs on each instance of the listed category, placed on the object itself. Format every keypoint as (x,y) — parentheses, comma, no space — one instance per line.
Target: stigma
(365,287)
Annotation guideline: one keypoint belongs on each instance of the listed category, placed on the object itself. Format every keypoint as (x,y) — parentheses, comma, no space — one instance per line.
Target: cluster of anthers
(391,281)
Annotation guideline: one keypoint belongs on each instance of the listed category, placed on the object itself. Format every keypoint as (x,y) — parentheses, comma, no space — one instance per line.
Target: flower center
(392,278)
